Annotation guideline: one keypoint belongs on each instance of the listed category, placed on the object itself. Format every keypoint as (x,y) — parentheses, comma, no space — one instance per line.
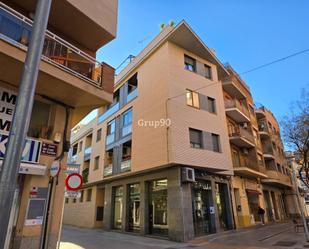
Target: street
(276,236)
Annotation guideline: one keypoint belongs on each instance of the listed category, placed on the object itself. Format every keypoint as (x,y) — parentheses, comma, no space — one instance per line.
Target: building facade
(160,160)
(70,84)
(181,152)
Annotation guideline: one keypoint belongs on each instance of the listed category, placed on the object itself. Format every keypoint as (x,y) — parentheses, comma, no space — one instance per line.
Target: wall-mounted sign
(49,149)
(72,194)
(31,150)
(36,205)
(7,107)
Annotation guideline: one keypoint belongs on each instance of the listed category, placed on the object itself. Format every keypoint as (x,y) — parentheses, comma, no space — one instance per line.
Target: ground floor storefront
(159,203)
(249,194)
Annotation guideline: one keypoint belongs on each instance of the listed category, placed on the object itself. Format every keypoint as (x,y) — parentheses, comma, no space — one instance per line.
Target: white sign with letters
(7,107)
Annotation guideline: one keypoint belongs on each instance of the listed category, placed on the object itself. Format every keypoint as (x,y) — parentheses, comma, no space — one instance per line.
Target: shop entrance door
(253,202)
(202,202)
(223,205)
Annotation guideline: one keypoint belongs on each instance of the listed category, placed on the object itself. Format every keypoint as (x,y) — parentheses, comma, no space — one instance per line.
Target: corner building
(172,180)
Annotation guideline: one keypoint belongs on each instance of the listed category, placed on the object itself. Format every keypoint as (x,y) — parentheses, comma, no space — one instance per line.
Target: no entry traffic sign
(74,182)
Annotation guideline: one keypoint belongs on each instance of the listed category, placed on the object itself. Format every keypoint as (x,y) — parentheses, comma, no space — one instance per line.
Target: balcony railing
(110,111)
(108,169)
(16,29)
(132,95)
(263,127)
(233,103)
(110,138)
(126,130)
(87,153)
(267,149)
(125,165)
(241,132)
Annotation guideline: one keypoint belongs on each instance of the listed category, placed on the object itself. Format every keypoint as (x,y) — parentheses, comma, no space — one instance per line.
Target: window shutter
(203,102)
(207,140)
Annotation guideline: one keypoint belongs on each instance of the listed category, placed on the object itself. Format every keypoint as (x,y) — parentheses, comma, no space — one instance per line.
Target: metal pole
(299,202)
(22,115)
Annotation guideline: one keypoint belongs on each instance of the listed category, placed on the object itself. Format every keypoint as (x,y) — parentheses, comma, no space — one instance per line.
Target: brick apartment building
(179,152)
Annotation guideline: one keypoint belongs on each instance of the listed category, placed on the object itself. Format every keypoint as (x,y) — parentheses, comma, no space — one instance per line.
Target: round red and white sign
(74,182)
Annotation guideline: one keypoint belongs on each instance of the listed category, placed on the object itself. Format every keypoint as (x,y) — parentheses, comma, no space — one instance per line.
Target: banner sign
(31,150)
(7,107)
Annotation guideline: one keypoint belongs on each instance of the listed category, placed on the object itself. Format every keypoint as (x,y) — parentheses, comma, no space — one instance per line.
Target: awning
(252,192)
(30,168)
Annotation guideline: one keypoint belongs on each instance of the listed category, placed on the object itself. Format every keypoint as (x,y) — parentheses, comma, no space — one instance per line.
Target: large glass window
(192,99)
(110,134)
(127,122)
(118,205)
(203,208)
(134,207)
(158,207)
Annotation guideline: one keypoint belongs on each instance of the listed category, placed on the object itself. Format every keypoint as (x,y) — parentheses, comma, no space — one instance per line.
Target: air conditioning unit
(187,175)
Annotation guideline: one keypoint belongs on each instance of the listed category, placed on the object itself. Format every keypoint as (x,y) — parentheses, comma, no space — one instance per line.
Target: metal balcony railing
(234,103)
(241,132)
(16,29)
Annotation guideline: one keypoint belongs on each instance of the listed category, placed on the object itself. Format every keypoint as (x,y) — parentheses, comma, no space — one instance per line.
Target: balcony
(235,110)
(108,169)
(64,69)
(87,153)
(260,113)
(132,95)
(268,152)
(241,137)
(79,20)
(249,167)
(110,111)
(278,179)
(232,88)
(263,130)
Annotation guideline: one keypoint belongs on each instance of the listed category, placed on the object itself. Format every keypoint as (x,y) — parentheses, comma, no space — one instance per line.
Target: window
(193,99)
(111,127)
(89,194)
(211,105)
(100,213)
(80,146)
(74,200)
(190,63)
(66,200)
(127,118)
(208,73)
(99,134)
(96,162)
(195,138)
(81,196)
(132,83)
(39,122)
(74,151)
(215,142)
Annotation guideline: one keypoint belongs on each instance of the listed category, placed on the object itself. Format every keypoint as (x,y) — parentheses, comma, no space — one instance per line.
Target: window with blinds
(195,138)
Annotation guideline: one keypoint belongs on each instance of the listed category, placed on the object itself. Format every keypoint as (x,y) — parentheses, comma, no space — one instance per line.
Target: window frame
(193,143)
(129,111)
(216,147)
(99,135)
(96,163)
(188,65)
(209,70)
(213,105)
(195,99)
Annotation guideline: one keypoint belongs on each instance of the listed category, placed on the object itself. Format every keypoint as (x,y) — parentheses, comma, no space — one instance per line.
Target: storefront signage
(31,150)
(49,149)
(7,107)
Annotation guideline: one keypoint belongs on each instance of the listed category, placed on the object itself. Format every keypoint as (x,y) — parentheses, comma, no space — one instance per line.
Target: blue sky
(244,33)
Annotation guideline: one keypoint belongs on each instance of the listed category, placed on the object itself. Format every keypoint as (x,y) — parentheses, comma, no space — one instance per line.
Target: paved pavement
(274,236)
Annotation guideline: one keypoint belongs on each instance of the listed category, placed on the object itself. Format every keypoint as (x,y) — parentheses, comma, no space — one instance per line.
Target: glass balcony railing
(108,169)
(132,95)
(87,153)
(110,139)
(16,29)
(125,165)
(126,130)
(108,113)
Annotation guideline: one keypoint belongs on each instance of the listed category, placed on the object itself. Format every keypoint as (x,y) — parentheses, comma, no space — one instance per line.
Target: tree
(296,133)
